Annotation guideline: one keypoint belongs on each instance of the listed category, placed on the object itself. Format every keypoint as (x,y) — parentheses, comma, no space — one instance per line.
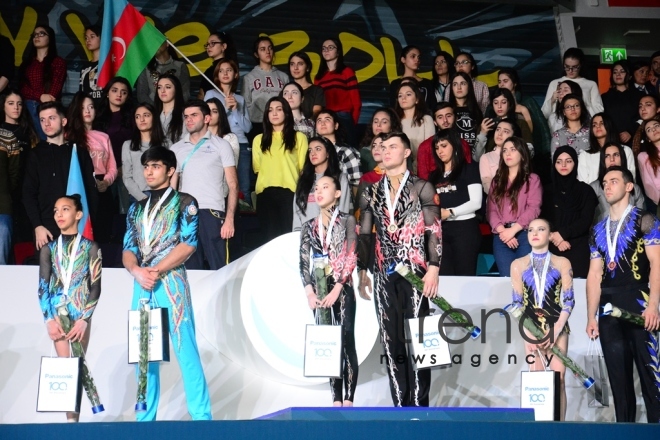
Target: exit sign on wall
(610,55)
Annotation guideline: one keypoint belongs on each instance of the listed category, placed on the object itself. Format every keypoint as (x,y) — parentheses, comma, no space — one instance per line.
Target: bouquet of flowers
(584,378)
(439,301)
(143,362)
(77,349)
(321,272)
(610,310)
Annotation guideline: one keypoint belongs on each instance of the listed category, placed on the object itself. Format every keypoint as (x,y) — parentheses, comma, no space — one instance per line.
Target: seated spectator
(163,62)
(575,131)
(416,124)
(443,119)
(89,74)
(621,102)
(573,63)
(602,133)
(466,107)
(443,71)
(489,162)
(384,120)
(569,206)
(147,133)
(640,78)
(612,154)
(293,93)
(459,193)
(466,64)
(514,201)
(411,58)
(218,46)
(300,68)
(648,108)
(649,162)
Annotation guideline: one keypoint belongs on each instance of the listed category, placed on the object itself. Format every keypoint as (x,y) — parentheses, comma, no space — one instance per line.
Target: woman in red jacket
(340,87)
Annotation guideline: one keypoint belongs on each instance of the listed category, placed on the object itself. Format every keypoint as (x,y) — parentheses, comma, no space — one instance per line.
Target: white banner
(323,351)
(433,350)
(538,391)
(159,340)
(60,386)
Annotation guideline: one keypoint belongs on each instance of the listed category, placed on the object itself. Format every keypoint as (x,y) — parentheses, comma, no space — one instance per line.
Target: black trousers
(461,241)
(395,303)
(275,211)
(624,343)
(344,311)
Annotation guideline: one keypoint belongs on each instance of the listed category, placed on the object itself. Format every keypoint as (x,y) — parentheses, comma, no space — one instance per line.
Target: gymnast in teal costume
(69,276)
(161,235)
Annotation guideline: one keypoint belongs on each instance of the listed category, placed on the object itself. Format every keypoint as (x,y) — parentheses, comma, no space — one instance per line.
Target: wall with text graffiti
(372,32)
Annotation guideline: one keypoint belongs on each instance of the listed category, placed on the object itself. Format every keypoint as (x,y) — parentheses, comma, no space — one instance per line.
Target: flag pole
(194,66)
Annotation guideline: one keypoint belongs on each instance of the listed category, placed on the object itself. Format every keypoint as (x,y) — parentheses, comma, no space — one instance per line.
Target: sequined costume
(175,223)
(342,259)
(626,285)
(416,242)
(557,296)
(85,287)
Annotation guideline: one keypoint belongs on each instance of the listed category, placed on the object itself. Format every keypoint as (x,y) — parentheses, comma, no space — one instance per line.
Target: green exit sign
(610,55)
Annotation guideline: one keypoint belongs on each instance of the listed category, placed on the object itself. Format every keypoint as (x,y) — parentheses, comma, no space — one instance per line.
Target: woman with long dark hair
(466,107)
(575,131)
(569,205)
(226,76)
(278,156)
(219,126)
(42,73)
(262,83)
(514,201)
(78,130)
(465,63)
(489,162)
(322,160)
(340,86)
(648,108)
(443,71)
(169,103)
(649,163)
(384,120)
(218,46)
(621,101)
(411,58)
(147,133)
(300,70)
(89,74)
(508,78)
(164,62)
(459,192)
(602,133)
(19,138)
(612,154)
(415,121)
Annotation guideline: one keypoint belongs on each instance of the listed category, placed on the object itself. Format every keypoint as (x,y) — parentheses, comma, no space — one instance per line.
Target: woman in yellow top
(278,156)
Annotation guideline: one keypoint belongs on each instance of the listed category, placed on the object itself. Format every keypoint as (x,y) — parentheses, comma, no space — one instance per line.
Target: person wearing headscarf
(569,205)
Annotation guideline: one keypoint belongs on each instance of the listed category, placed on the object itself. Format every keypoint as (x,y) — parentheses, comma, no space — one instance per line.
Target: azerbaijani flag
(128,42)
(76,185)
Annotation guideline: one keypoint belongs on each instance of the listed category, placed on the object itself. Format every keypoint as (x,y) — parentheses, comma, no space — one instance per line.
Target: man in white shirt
(204,164)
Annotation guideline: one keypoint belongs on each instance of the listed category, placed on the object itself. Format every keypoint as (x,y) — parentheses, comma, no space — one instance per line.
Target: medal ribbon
(611,244)
(148,220)
(540,282)
(391,205)
(67,272)
(326,244)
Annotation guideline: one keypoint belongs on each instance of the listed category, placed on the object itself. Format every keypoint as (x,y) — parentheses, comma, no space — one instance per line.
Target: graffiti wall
(372,32)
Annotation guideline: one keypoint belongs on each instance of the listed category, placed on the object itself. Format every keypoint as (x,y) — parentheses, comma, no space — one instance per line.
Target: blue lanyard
(199,144)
